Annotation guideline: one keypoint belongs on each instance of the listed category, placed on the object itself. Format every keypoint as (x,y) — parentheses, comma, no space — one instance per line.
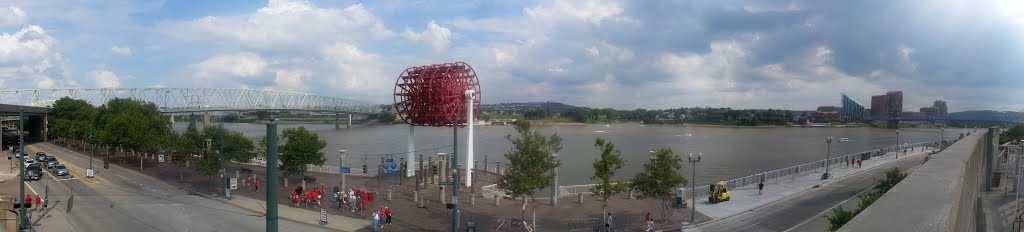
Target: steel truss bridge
(186,100)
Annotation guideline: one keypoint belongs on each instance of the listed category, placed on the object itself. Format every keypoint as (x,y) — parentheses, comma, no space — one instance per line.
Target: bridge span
(191,100)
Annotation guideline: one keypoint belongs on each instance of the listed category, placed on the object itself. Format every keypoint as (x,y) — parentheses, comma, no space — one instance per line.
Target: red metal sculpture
(431,95)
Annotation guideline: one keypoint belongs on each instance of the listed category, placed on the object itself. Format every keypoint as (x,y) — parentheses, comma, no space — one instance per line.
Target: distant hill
(986,114)
(520,107)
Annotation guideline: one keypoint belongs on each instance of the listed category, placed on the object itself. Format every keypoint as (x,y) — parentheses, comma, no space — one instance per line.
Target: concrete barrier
(941,195)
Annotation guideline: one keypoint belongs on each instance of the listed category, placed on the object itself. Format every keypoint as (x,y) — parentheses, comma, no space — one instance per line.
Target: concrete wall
(941,195)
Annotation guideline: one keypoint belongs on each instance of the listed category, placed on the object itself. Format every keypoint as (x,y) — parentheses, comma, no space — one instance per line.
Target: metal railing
(792,171)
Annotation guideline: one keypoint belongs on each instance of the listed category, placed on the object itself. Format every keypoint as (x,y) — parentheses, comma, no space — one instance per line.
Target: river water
(728,152)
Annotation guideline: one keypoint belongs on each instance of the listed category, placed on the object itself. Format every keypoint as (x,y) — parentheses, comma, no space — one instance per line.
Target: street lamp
(693,185)
(341,166)
(828,155)
(897,144)
(652,154)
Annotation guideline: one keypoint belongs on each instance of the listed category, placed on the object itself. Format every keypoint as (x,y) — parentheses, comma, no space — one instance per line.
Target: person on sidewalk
(376,221)
(39,203)
(760,188)
(256,182)
(649,221)
(46,202)
(860,163)
(387,215)
(28,202)
(608,223)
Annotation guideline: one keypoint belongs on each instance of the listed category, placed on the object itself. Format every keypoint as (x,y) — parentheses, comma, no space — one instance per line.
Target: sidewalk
(334,222)
(746,198)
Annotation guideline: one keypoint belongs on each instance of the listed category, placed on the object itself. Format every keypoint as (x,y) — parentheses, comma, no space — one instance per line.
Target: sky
(620,54)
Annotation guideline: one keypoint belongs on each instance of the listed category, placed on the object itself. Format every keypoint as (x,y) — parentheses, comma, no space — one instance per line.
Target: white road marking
(30,188)
(751,225)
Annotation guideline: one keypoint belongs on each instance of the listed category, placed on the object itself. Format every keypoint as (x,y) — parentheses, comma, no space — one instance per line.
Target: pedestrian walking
(28,202)
(387,215)
(46,202)
(608,223)
(39,202)
(860,163)
(760,188)
(649,221)
(376,221)
(256,181)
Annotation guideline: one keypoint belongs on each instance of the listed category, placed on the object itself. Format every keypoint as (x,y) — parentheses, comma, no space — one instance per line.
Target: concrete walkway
(746,198)
(334,222)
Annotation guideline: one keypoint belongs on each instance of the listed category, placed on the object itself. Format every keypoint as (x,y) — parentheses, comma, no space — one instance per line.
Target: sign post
(323,216)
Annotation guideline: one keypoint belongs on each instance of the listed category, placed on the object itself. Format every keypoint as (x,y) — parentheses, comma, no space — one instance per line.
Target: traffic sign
(346,170)
(233,183)
(323,215)
(448,183)
(390,165)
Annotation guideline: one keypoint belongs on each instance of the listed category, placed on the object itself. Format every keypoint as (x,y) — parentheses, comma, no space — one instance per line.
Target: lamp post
(942,136)
(341,166)
(828,155)
(693,185)
(897,144)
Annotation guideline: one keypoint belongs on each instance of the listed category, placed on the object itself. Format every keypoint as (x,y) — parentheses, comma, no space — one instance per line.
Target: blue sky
(621,54)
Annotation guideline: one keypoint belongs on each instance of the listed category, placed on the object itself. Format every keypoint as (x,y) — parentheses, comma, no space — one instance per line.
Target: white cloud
(229,70)
(437,37)
(358,70)
(28,59)
(104,79)
(124,51)
(593,12)
(12,16)
(290,80)
(283,25)
(703,73)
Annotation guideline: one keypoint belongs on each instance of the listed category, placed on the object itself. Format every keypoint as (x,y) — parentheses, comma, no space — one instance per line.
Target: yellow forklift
(718,193)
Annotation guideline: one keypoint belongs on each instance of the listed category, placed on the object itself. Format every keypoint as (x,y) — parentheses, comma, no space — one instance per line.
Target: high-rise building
(878,107)
(851,108)
(888,105)
(895,103)
(940,107)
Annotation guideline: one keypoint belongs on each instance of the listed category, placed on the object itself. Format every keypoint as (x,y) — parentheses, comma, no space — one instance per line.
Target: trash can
(470,226)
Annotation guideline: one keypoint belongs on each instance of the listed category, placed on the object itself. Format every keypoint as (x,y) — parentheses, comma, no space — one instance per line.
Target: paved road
(122,200)
(804,212)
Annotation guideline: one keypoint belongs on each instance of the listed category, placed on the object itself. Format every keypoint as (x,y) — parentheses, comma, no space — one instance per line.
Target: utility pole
(223,170)
(22,219)
(92,151)
(693,185)
(455,185)
(828,155)
(272,175)
(897,143)
(341,167)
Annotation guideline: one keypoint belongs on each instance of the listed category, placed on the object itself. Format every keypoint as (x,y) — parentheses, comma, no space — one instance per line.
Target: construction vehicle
(718,192)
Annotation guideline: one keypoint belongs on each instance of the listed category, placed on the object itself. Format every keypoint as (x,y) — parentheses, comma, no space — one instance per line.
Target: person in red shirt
(39,202)
(387,215)
(28,201)
(649,221)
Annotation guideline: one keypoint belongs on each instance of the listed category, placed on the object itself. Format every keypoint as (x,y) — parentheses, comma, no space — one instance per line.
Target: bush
(839,217)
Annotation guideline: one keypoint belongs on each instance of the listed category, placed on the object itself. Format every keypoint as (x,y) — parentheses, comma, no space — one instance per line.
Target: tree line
(698,115)
(531,162)
(138,128)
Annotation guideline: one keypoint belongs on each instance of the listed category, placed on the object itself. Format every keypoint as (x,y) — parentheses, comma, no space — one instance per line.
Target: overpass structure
(191,100)
(1002,117)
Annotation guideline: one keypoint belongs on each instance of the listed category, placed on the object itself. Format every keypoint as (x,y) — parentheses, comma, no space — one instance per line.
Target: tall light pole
(220,157)
(341,166)
(897,143)
(22,219)
(828,155)
(92,151)
(693,185)
(942,136)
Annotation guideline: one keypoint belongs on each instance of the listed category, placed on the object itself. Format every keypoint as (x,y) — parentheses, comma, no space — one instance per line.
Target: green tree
(301,147)
(530,163)
(839,217)
(131,124)
(388,117)
(72,118)
(660,177)
(605,168)
(892,177)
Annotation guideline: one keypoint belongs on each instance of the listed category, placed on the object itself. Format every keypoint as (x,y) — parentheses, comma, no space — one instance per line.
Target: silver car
(51,161)
(60,170)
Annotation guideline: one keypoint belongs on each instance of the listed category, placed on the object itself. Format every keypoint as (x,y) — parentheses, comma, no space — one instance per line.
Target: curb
(204,195)
(792,195)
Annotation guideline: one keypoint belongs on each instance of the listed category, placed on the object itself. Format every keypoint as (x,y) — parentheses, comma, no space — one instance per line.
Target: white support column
(410,169)
(469,138)
(349,120)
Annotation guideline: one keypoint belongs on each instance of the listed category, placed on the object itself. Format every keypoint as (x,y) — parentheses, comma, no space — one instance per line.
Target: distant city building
(889,105)
(941,107)
(851,108)
(930,110)
(827,112)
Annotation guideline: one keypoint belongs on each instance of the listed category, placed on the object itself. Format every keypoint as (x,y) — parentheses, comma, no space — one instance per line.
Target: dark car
(60,170)
(34,171)
(40,156)
(51,161)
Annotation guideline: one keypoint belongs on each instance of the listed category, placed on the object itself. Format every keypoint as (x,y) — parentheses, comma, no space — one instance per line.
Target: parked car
(51,161)
(60,170)
(40,156)
(34,172)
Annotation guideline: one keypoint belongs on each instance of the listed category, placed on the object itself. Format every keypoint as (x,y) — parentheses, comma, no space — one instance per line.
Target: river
(729,152)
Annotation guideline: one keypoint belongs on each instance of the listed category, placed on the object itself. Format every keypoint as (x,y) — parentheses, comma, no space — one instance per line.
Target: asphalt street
(806,211)
(118,199)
